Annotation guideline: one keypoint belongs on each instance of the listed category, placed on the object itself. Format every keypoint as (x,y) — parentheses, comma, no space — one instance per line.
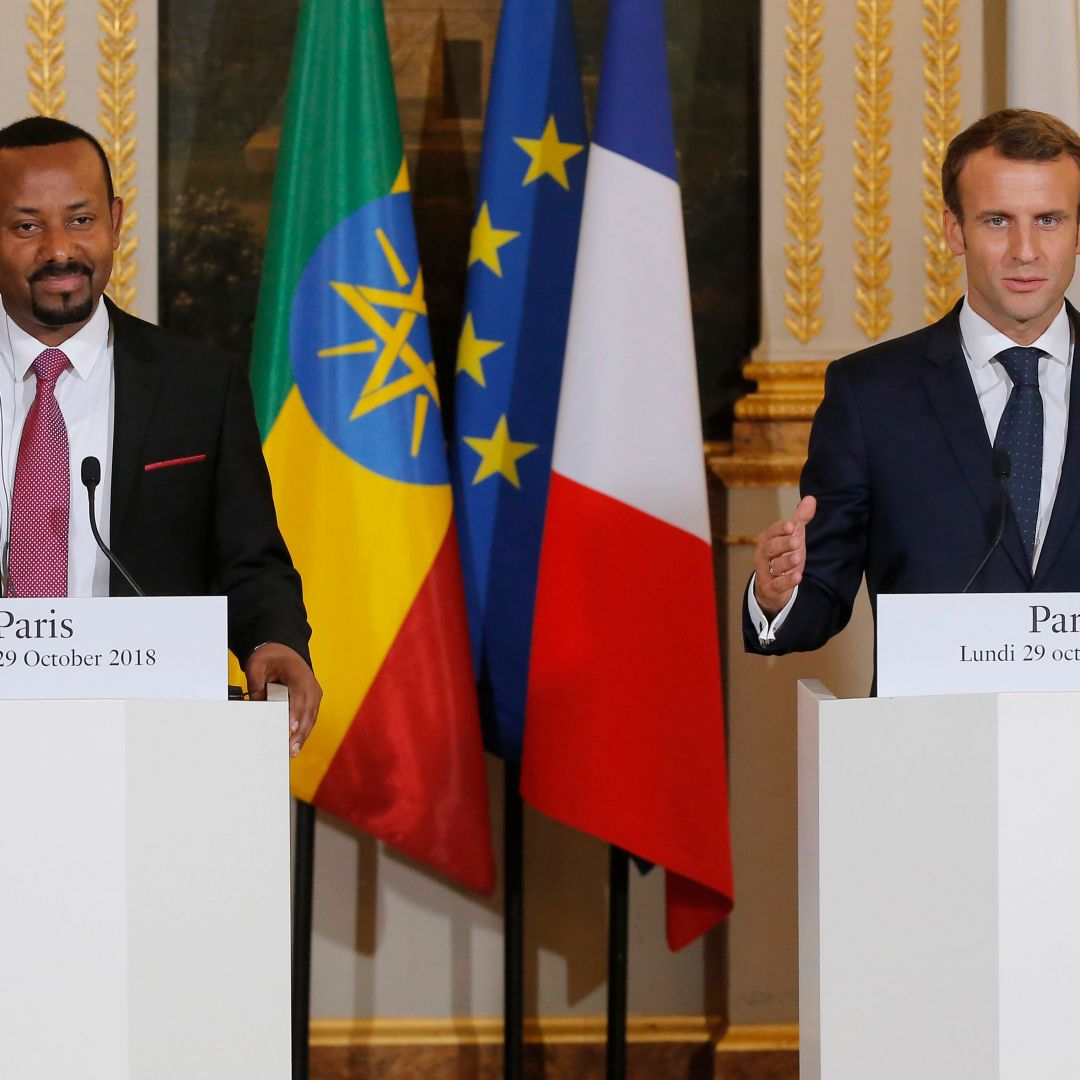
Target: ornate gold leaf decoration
(116,94)
(802,178)
(873,124)
(45,21)
(941,121)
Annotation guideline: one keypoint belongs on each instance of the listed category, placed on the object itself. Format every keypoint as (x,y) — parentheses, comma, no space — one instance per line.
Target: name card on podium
(157,648)
(977,643)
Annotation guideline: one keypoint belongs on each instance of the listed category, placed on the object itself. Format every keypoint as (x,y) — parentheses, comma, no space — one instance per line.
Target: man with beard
(186,502)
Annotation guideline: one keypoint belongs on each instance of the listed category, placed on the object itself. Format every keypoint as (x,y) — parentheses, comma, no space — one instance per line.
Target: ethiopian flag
(352,431)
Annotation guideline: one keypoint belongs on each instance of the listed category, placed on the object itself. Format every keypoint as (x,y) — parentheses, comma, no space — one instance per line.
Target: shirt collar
(84,349)
(983,342)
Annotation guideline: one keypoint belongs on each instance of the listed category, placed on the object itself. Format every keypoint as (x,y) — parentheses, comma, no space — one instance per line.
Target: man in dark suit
(189,508)
(900,482)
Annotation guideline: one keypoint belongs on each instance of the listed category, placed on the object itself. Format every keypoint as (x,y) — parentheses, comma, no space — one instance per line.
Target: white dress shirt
(84,393)
(982,343)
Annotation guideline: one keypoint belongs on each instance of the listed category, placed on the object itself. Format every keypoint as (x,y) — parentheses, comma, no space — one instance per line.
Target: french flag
(624,732)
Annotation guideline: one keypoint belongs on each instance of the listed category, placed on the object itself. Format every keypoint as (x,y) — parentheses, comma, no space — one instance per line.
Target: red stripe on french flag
(624,731)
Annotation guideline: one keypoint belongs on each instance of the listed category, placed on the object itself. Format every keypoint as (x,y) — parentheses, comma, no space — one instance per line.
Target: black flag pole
(513,923)
(303,894)
(618,938)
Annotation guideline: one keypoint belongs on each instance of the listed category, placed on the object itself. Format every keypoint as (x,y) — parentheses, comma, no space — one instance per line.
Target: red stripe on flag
(624,733)
(410,769)
(692,909)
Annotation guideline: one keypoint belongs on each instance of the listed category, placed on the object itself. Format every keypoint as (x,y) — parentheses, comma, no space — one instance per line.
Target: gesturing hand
(779,558)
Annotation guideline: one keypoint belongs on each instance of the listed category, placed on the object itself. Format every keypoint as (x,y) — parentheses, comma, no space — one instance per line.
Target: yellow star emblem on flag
(379,388)
(499,455)
(486,240)
(472,350)
(548,156)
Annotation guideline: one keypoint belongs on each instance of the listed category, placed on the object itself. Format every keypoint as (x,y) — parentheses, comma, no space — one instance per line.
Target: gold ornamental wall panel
(867,91)
(46,23)
(117,42)
(802,202)
(873,125)
(941,100)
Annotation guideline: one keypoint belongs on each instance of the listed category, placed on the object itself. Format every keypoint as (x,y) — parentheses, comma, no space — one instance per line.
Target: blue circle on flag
(361,353)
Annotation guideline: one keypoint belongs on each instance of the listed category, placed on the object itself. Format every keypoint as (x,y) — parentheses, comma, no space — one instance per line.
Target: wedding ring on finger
(773,572)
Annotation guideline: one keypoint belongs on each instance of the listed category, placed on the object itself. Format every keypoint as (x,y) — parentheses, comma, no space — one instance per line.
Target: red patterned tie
(41,497)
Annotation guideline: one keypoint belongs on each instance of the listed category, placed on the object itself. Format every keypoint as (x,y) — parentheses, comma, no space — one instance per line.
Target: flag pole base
(303,890)
(513,924)
(618,937)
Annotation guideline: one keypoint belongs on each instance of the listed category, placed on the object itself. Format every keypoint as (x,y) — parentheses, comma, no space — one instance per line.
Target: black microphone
(91,477)
(1002,470)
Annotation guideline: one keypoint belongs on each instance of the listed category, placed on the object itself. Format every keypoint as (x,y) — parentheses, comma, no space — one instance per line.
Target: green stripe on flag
(340,148)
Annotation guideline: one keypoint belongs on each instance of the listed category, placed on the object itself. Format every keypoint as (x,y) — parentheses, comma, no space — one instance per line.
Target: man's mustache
(60,270)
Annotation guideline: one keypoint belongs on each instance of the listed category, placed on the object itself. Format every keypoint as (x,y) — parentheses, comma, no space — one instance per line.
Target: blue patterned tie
(1020,434)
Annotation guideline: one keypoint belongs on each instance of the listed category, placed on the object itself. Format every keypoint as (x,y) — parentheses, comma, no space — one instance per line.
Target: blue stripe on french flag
(633,112)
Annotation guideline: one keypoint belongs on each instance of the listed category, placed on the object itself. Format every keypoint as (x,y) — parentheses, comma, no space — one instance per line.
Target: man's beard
(67,312)
(64,315)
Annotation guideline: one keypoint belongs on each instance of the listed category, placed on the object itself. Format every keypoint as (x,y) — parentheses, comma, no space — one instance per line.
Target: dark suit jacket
(900,464)
(208,526)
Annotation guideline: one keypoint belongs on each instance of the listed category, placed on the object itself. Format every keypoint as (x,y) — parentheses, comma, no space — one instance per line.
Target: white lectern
(939,871)
(144,890)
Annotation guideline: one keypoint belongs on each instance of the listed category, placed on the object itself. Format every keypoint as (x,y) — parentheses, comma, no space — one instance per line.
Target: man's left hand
(278,663)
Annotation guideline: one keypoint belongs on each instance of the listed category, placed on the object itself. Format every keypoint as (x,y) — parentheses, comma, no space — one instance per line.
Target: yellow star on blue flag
(548,156)
(485,241)
(499,454)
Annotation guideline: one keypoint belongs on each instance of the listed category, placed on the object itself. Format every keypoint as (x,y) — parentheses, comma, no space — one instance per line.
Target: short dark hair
(1016,134)
(48,131)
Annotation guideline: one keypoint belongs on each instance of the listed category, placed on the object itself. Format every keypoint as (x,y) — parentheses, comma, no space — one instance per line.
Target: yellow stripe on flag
(364,545)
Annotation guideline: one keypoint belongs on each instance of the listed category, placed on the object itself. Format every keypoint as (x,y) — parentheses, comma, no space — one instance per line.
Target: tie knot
(1022,364)
(48,364)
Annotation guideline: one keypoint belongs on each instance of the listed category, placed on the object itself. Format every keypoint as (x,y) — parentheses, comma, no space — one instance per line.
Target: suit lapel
(137,380)
(952,395)
(1067,498)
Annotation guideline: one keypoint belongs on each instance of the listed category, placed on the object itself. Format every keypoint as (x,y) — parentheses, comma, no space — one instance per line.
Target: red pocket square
(174,461)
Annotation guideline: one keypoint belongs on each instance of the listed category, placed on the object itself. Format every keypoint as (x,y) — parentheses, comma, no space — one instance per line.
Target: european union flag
(510,355)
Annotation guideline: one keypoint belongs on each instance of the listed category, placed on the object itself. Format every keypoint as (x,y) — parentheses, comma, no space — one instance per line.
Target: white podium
(144,890)
(939,876)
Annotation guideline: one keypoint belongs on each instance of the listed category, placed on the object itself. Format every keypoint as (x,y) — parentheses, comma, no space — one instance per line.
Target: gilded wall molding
(45,21)
(116,95)
(772,425)
(941,121)
(656,1045)
(802,178)
(786,390)
(765,470)
(873,125)
(441,1031)
(736,540)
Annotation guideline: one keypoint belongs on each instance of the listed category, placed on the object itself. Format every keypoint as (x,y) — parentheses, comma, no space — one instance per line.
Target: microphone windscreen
(1001,459)
(91,471)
